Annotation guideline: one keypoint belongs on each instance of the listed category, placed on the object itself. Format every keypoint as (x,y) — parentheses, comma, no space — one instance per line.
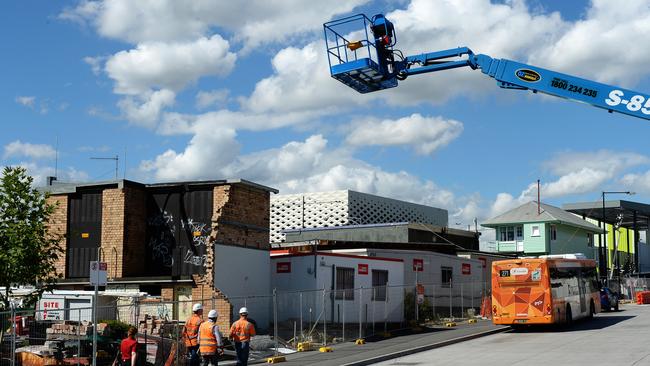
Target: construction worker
(210,344)
(191,334)
(241,332)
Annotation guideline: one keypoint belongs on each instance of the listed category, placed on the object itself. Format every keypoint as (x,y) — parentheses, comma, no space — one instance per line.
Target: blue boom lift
(361,55)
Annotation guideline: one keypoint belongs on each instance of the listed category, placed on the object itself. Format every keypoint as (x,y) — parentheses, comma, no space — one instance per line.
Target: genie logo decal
(528,75)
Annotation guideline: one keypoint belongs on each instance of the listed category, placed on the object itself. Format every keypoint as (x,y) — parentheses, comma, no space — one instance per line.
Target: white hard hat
(196,307)
(213,314)
(243,310)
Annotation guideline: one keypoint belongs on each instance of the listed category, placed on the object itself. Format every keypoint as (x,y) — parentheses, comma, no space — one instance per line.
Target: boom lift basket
(352,55)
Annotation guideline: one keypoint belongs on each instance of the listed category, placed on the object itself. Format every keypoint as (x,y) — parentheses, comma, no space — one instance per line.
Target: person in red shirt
(128,353)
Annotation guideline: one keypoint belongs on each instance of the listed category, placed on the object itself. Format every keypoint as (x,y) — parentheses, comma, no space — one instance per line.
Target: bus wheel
(592,309)
(568,316)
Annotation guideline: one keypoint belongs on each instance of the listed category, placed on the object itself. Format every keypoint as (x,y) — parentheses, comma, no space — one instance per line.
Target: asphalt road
(612,339)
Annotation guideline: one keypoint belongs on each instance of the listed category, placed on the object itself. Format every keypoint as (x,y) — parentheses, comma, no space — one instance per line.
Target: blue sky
(212,90)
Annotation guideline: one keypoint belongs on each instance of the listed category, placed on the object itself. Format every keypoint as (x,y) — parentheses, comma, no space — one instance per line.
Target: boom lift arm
(372,64)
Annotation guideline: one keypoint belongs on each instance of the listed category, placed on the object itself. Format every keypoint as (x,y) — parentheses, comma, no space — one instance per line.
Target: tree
(28,250)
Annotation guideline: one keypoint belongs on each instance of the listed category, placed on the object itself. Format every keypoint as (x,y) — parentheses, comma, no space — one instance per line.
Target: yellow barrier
(276,359)
(472,321)
(450,324)
(304,346)
(325,349)
(360,341)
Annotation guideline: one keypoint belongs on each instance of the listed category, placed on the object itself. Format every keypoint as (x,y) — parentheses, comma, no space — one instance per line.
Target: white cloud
(604,45)
(582,172)
(204,157)
(27,101)
(301,82)
(145,110)
(41,172)
(424,134)
(607,160)
(297,166)
(95,63)
(173,20)
(24,149)
(171,66)
(637,182)
(205,99)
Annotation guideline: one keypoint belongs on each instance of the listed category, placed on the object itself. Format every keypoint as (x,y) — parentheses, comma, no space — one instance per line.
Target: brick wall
(241,216)
(213,299)
(113,230)
(58,225)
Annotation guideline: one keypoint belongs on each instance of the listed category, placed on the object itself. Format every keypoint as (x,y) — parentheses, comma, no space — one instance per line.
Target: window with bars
(344,283)
(379,283)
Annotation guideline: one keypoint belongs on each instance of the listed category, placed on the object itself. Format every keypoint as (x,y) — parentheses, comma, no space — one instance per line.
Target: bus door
(582,289)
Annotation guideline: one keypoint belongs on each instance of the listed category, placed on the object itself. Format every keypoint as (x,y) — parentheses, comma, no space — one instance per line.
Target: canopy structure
(630,215)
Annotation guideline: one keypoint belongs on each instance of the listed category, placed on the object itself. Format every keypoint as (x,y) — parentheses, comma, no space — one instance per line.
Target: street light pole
(602,260)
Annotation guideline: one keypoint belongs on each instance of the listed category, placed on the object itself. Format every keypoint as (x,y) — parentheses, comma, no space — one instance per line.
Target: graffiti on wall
(194,235)
(161,242)
(199,231)
(196,260)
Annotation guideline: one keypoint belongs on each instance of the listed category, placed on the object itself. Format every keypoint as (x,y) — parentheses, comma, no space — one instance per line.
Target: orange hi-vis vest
(207,341)
(242,330)
(192,331)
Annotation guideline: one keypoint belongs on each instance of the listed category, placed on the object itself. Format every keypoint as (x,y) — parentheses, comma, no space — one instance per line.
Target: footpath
(349,354)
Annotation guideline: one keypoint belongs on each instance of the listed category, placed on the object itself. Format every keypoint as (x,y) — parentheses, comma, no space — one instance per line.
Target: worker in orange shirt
(241,332)
(191,334)
(210,344)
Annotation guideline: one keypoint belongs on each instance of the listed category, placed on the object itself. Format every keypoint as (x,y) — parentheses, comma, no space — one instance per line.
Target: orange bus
(544,290)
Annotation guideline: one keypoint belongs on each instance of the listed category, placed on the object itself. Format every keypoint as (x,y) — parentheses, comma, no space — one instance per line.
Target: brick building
(165,239)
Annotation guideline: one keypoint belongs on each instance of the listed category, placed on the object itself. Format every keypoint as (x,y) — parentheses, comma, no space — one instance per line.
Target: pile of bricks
(155,326)
(73,328)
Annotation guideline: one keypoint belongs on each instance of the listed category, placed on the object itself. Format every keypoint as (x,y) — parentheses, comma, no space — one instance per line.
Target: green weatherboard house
(531,230)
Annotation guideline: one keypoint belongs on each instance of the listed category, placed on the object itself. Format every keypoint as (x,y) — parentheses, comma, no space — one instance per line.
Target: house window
(553,232)
(520,232)
(379,282)
(344,283)
(507,233)
(534,230)
(447,273)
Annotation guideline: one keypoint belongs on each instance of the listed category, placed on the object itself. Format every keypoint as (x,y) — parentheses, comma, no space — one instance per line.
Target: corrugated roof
(528,213)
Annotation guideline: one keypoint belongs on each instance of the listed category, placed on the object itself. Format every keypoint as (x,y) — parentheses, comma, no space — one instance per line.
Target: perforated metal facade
(339,208)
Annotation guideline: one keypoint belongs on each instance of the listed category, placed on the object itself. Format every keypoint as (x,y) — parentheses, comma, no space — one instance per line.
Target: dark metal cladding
(179,222)
(85,229)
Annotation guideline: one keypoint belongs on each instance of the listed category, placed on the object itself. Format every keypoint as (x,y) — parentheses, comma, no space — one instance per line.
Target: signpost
(98,278)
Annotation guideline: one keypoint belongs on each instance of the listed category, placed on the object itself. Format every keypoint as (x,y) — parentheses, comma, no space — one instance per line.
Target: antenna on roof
(116,158)
(56,159)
